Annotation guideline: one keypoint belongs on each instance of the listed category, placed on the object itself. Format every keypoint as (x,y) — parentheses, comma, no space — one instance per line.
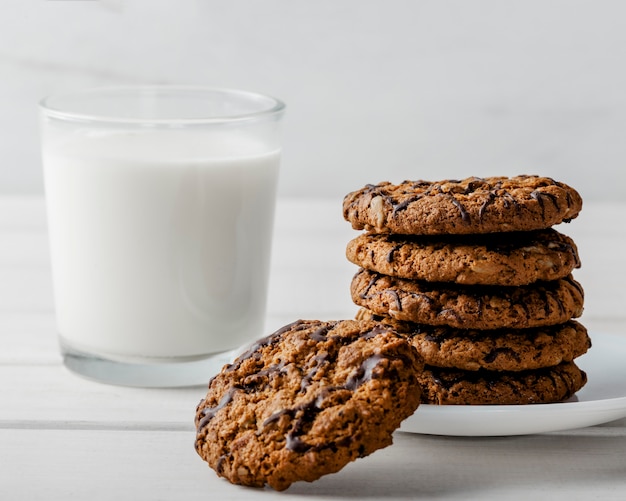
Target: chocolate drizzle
(365,293)
(391,253)
(419,185)
(219,467)
(321,334)
(570,280)
(303,415)
(253,351)
(561,384)
(364,373)
(465,217)
(484,306)
(396,298)
(209,412)
(448,188)
(398,207)
(488,201)
(481,203)
(509,201)
(541,196)
(313,374)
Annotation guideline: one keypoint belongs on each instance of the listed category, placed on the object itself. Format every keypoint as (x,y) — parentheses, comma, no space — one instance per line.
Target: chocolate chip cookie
(541,386)
(489,259)
(306,401)
(468,307)
(495,350)
(469,206)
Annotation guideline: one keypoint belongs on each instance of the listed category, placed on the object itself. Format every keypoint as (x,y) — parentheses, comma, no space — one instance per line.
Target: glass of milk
(160,206)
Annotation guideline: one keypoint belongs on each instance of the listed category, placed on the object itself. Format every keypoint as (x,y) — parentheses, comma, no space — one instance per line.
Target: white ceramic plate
(601,400)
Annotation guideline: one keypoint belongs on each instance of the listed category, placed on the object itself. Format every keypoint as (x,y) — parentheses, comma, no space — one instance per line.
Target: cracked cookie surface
(469,206)
(468,307)
(495,350)
(307,400)
(541,386)
(490,259)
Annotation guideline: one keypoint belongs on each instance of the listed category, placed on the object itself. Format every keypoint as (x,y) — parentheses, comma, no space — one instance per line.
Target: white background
(376,90)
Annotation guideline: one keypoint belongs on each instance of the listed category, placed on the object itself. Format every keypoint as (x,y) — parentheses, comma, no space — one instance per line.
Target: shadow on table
(420,466)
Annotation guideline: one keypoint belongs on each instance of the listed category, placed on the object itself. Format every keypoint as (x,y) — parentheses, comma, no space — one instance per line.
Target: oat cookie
(518,258)
(454,387)
(306,401)
(472,205)
(495,350)
(468,307)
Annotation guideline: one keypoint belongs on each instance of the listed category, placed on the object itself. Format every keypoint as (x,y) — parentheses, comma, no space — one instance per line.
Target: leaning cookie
(306,401)
(472,205)
(494,350)
(541,386)
(518,258)
(468,307)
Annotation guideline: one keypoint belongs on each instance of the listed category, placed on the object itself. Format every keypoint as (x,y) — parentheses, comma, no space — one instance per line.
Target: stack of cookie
(474,274)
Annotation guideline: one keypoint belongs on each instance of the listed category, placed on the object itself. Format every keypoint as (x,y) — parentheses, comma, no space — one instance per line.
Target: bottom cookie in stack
(500,366)
(538,386)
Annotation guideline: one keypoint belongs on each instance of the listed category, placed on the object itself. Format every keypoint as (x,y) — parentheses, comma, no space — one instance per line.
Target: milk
(160,240)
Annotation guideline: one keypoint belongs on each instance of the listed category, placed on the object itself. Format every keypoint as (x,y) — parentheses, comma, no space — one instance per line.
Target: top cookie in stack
(474,205)
(472,271)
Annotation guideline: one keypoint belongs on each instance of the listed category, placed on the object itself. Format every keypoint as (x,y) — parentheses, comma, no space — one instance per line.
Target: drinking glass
(160,204)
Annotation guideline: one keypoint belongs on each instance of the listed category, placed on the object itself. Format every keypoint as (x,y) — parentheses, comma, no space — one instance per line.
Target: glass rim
(275,107)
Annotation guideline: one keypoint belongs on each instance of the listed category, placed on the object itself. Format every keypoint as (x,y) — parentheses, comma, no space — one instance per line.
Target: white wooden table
(66,438)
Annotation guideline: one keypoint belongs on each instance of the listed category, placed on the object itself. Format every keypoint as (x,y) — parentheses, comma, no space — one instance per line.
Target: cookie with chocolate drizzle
(470,306)
(469,206)
(487,259)
(540,386)
(493,350)
(307,400)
